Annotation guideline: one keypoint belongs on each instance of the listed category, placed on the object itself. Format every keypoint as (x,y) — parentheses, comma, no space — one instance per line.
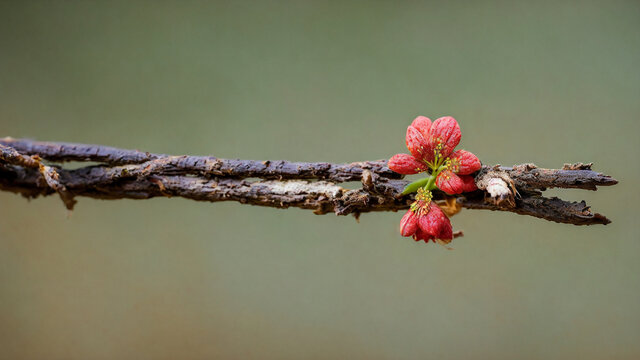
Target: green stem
(414,186)
(428,183)
(431,184)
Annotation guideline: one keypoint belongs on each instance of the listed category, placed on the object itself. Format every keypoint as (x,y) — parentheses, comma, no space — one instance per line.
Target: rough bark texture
(139,175)
(571,176)
(152,164)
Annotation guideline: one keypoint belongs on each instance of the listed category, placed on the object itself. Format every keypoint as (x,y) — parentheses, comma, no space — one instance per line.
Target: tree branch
(137,175)
(152,164)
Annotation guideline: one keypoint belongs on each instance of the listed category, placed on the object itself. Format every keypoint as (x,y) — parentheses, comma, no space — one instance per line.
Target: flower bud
(434,222)
(423,124)
(449,182)
(415,142)
(465,162)
(406,164)
(445,136)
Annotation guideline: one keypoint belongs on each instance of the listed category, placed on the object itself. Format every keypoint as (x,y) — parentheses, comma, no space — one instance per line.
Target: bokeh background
(544,82)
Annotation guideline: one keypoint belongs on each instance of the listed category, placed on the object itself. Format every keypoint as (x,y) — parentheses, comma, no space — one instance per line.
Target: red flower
(432,148)
(426,221)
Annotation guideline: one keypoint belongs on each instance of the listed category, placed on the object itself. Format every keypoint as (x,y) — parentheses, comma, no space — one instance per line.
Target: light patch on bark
(499,187)
(303,187)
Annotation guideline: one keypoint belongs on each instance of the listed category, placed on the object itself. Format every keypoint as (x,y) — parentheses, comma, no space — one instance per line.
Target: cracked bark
(134,174)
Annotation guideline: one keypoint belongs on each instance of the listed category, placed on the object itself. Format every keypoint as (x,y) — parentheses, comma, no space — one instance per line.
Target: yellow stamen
(420,207)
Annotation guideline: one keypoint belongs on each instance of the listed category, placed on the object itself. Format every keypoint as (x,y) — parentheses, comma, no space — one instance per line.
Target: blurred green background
(543,82)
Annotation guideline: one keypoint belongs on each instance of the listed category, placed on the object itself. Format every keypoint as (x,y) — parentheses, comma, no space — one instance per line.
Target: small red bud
(406,164)
(445,132)
(415,142)
(449,182)
(467,162)
(423,124)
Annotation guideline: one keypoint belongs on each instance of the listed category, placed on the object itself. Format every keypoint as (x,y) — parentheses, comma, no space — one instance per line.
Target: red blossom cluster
(432,147)
(425,220)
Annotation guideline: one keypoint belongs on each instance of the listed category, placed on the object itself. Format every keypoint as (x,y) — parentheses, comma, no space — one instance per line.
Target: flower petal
(446,230)
(423,124)
(408,224)
(435,224)
(468,183)
(432,222)
(406,164)
(449,182)
(421,235)
(416,143)
(465,162)
(444,136)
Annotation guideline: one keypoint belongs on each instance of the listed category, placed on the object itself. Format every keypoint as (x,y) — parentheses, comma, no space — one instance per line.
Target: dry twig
(140,175)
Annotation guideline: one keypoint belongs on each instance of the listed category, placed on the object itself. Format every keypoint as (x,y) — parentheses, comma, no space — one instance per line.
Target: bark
(145,164)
